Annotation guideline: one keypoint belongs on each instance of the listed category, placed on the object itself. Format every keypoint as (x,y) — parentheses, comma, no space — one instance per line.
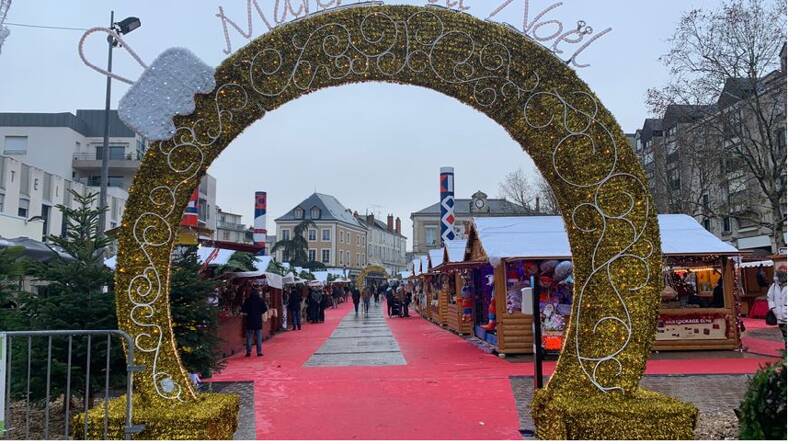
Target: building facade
(337,239)
(426,235)
(693,158)
(386,245)
(69,146)
(231,229)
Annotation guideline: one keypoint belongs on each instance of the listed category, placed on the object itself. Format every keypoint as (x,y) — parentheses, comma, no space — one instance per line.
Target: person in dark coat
(294,308)
(389,300)
(356,298)
(253,308)
(313,306)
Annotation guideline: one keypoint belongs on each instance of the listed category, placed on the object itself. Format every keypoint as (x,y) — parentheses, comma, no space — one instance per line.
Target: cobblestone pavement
(359,340)
(714,395)
(247,420)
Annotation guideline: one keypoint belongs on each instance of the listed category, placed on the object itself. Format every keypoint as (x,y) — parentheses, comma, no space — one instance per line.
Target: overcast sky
(374,146)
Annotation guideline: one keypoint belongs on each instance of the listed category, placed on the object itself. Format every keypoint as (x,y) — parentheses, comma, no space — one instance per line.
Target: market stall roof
(262,262)
(405,274)
(415,266)
(456,250)
(436,257)
(755,264)
(214,256)
(218,257)
(321,275)
(33,249)
(423,265)
(545,237)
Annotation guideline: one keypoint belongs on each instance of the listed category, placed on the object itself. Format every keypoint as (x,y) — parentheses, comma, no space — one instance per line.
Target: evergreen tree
(74,295)
(194,319)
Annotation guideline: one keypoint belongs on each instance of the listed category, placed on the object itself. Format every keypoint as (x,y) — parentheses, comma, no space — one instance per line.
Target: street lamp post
(123,27)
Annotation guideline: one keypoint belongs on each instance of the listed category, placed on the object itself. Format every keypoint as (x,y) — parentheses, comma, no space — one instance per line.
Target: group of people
(398,298)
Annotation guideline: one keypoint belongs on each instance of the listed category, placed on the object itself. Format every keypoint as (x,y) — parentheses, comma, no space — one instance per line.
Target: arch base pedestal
(644,415)
(212,416)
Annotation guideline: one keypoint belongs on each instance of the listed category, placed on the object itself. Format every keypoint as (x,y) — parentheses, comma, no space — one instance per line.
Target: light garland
(544,106)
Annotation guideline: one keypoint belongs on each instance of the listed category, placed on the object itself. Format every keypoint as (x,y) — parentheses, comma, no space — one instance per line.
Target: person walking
(355,297)
(253,309)
(366,299)
(294,308)
(376,295)
(406,299)
(389,300)
(776,298)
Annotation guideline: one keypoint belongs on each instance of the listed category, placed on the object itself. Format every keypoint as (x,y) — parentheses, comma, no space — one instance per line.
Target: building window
(707,224)
(326,256)
(312,255)
(16,145)
(114,152)
(22,211)
(326,235)
(2,202)
(348,258)
(348,239)
(312,235)
(298,213)
(316,213)
(25,180)
(430,236)
(341,258)
(285,235)
(113,181)
(726,224)
(226,235)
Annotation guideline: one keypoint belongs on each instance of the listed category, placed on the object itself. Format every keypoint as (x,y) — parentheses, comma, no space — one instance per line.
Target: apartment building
(693,161)
(29,196)
(69,146)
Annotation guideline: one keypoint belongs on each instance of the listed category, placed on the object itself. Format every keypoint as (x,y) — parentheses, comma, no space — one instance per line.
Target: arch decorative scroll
(574,141)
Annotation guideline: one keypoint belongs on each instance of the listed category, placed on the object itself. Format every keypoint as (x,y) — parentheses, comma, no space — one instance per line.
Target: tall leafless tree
(530,191)
(731,57)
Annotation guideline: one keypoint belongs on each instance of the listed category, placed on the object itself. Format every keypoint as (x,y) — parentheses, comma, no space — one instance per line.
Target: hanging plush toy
(467,300)
(492,324)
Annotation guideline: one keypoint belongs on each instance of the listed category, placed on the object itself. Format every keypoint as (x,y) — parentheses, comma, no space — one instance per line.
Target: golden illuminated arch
(573,140)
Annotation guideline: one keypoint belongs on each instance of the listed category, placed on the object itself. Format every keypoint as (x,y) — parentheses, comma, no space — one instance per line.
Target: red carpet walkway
(449,388)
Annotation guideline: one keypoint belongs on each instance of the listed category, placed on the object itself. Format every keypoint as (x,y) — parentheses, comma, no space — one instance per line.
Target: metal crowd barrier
(72,337)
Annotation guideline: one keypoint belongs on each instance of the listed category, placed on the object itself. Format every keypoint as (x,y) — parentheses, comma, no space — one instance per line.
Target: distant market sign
(544,30)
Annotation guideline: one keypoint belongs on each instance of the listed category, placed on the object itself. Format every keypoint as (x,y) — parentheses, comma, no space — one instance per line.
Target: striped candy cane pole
(260,223)
(447,203)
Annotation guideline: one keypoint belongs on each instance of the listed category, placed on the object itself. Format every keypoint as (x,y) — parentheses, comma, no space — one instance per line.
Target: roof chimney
(397,225)
(371,219)
(390,222)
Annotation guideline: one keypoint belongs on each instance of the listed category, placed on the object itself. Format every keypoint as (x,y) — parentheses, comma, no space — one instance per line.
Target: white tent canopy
(545,237)
(456,250)
(218,256)
(262,262)
(436,257)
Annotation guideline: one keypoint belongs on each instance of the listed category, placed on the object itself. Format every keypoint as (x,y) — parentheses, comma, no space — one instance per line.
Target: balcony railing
(94,156)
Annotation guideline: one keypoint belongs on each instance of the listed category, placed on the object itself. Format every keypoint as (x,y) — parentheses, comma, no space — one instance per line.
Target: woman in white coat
(776,297)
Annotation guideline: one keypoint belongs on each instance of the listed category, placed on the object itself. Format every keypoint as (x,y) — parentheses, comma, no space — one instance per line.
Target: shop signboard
(691,327)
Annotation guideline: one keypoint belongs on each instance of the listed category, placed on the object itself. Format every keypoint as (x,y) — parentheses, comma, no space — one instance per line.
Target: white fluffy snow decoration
(166,89)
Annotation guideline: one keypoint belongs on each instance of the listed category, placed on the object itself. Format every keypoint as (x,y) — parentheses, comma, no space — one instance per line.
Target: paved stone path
(363,340)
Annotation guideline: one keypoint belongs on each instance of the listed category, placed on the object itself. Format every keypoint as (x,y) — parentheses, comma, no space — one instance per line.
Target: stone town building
(337,240)
(386,245)
(426,227)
